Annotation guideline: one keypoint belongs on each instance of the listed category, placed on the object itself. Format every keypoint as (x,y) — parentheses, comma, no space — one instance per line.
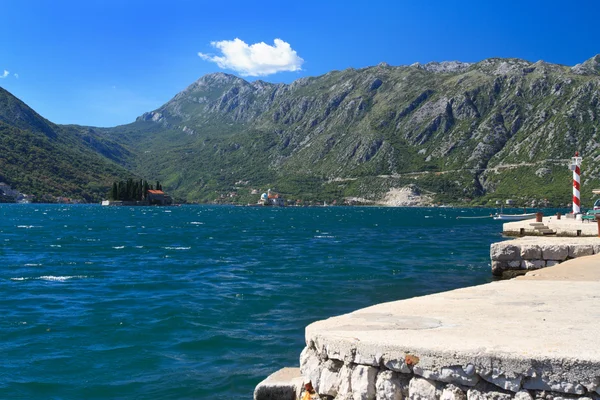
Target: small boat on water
(514,217)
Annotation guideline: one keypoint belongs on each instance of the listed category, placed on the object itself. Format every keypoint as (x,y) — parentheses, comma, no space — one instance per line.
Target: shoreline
(522,338)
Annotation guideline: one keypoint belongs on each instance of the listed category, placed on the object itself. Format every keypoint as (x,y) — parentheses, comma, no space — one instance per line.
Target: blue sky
(103,63)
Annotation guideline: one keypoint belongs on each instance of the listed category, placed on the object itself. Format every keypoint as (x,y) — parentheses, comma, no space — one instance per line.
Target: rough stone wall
(513,257)
(404,379)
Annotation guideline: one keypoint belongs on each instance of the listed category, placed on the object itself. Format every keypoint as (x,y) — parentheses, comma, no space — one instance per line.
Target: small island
(137,193)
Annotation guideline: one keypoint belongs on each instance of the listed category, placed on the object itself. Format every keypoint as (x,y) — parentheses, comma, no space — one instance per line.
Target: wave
(50,278)
(176,248)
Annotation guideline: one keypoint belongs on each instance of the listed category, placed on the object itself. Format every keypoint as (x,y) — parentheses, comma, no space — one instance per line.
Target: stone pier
(516,257)
(533,337)
(564,226)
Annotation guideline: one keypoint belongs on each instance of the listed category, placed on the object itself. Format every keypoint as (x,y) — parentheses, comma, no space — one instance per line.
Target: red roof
(156,192)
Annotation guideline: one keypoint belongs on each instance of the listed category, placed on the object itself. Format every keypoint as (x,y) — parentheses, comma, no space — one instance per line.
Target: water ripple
(204,302)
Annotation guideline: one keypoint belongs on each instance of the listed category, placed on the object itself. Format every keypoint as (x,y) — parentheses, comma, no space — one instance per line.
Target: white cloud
(258,59)
(17,76)
(5,74)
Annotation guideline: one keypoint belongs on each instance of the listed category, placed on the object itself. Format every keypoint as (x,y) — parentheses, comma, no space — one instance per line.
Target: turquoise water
(201,302)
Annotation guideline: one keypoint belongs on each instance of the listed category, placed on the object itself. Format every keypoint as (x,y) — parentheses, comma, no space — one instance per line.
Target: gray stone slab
(284,384)
(531,252)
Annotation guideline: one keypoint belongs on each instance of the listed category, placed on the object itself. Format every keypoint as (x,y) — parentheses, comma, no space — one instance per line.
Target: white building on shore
(272,199)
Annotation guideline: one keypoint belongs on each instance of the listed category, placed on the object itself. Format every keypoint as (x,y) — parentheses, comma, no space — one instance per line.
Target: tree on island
(131,190)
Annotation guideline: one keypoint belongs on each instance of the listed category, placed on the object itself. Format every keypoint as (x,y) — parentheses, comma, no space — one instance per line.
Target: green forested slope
(46,160)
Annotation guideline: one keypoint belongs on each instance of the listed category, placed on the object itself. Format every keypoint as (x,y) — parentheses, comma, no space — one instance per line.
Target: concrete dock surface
(539,333)
(562,227)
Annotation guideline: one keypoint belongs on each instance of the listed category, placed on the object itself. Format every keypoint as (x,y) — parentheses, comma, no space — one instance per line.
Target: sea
(204,302)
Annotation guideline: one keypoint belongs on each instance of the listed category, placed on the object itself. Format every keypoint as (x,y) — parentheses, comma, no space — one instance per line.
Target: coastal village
(10,195)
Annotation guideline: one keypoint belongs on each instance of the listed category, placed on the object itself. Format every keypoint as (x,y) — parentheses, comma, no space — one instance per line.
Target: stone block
(486,391)
(539,383)
(555,252)
(398,365)
(531,252)
(581,250)
(423,389)
(345,381)
(367,358)
(523,395)
(499,379)
(515,264)
(310,366)
(363,382)
(284,384)
(498,267)
(552,263)
(329,378)
(504,252)
(533,264)
(452,392)
(388,386)
(451,374)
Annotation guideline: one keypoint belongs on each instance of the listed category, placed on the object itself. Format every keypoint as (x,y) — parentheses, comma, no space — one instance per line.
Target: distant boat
(514,217)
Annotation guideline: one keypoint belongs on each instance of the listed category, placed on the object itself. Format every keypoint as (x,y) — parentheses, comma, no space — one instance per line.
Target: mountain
(496,129)
(47,160)
(452,132)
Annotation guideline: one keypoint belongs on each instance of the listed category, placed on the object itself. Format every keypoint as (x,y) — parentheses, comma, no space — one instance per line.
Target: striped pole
(576,183)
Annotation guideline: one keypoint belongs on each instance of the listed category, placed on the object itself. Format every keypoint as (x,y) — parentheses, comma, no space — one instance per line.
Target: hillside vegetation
(501,128)
(457,132)
(46,160)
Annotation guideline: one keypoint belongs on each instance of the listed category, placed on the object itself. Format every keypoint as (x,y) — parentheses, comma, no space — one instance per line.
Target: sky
(105,62)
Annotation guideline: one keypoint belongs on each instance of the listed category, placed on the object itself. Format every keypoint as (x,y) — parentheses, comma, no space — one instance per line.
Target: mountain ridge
(390,120)
(465,132)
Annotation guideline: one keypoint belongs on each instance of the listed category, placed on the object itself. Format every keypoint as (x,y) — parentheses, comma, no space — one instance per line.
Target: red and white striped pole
(575,166)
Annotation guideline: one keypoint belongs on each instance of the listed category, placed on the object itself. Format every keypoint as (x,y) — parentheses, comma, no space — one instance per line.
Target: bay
(203,302)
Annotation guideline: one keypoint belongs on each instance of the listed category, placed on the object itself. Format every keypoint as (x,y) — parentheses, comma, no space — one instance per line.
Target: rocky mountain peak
(504,66)
(588,67)
(262,85)
(217,78)
(443,67)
